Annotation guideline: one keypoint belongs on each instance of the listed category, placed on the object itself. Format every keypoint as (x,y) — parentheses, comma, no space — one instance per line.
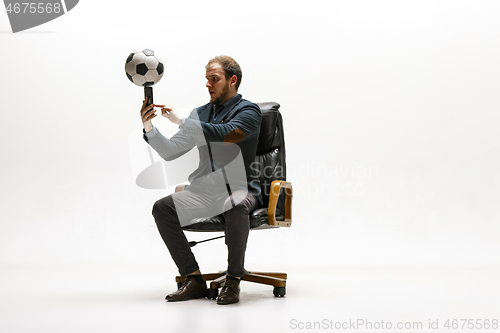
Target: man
(226,132)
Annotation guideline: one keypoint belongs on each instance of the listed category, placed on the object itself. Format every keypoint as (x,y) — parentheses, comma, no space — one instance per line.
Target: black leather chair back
(270,158)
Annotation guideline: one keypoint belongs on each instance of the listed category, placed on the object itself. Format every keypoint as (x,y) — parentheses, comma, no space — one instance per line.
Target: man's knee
(163,206)
(231,208)
(241,202)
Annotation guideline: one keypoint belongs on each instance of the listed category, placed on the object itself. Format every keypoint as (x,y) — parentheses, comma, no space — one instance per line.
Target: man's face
(219,88)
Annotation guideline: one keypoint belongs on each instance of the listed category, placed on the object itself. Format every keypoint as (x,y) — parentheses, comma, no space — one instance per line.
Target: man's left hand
(169,113)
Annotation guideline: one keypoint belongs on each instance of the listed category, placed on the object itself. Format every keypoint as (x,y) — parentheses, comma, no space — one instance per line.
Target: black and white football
(144,68)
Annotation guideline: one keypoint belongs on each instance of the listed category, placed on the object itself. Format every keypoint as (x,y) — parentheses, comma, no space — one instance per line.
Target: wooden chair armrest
(276,186)
(180,188)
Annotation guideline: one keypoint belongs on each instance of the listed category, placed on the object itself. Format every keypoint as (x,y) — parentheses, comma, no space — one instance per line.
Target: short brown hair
(230,67)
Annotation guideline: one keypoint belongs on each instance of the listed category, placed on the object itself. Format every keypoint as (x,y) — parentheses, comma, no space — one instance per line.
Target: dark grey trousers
(237,228)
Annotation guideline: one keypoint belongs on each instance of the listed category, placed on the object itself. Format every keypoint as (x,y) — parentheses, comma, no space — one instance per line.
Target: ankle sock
(199,278)
(239,280)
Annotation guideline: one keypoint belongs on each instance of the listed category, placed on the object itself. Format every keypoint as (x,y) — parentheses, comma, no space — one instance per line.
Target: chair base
(277,280)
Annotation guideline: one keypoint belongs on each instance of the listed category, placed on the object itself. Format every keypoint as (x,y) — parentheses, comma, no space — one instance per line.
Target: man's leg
(237,230)
(170,213)
(172,234)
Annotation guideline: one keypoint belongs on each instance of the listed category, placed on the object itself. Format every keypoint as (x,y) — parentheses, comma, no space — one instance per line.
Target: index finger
(145,102)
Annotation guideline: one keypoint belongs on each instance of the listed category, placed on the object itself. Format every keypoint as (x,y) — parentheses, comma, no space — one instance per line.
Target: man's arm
(245,125)
(168,149)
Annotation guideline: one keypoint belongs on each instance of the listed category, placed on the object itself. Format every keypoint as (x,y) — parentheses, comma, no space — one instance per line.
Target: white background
(390,111)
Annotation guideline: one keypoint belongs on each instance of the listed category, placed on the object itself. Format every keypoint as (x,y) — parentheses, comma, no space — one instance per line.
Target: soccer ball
(144,68)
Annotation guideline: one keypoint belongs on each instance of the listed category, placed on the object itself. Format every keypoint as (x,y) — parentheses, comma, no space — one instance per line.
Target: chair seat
(258,220)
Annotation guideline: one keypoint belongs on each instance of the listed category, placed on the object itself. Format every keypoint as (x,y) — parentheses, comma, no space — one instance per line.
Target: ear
(233,80)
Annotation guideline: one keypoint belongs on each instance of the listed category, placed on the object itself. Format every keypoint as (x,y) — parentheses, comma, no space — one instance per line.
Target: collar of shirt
(216,109)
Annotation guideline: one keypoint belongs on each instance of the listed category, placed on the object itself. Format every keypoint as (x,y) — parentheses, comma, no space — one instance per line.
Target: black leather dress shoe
(230,293)
(190,289)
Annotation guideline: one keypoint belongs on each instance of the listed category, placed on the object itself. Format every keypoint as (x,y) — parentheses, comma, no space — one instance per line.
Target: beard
(222,97)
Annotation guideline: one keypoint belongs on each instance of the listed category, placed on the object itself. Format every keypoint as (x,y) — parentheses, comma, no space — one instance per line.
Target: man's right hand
(147,113)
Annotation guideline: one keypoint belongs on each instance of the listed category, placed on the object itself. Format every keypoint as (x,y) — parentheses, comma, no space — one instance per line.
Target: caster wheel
(179,285)
(212,293)
(279,291)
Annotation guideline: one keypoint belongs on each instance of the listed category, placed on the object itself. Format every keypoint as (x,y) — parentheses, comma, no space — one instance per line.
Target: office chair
(276,194)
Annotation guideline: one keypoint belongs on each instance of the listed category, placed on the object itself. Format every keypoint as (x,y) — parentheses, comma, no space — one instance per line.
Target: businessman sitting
(226,132)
